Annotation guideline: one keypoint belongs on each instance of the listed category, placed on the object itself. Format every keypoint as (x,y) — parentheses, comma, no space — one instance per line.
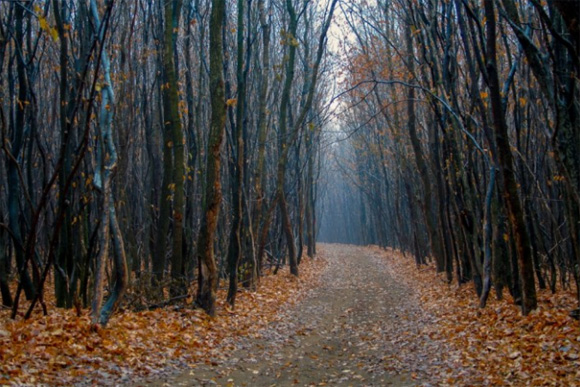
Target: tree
(511,195)
(106,165)
(465,134)
(236,238)
(174,143)
(207,280)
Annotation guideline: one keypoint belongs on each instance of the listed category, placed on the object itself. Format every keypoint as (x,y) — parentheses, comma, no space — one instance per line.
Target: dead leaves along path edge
(375,319)
(343,332)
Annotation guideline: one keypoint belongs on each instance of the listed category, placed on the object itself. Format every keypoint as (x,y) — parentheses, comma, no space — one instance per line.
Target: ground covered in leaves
(357,316)
(377,320)
(492,346)
(61,348)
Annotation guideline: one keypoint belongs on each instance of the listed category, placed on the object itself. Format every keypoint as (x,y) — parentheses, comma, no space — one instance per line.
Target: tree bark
(436,248)
(208,276)
(14,184)
(174,144)
(106,166)
(235,249)
(506,165)
(259,215)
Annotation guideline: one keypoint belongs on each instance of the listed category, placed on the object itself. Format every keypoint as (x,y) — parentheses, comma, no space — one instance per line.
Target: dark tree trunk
(506,166)
(235,248)
(173,150)
(208,274)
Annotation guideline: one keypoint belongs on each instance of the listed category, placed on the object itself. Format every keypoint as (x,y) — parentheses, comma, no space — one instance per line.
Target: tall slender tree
(208,275)
(506,165)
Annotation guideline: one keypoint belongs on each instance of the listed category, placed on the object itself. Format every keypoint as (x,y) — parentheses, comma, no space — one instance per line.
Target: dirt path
(346,332)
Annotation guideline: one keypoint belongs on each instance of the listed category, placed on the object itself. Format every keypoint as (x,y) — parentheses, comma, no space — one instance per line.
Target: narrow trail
(343,333)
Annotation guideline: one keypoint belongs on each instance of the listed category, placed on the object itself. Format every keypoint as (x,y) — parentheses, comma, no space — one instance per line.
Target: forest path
(344,332)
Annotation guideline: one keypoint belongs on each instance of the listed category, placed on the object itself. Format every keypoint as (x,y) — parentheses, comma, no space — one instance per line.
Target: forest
(180,153)
(463,141)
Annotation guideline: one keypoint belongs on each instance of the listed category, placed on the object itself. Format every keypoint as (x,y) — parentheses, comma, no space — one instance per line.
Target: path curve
(343,333)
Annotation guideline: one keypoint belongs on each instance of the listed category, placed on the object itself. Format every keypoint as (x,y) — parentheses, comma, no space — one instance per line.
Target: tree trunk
(235,249)
(506,165)
(106,165)
(259,215)
(283,145)
(174,145)
(16,142)
(64,264)
(436,248)
(208,275)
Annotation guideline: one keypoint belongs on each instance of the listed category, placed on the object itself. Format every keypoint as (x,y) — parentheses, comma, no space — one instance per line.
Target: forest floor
(376,320)
(356,316)
(340,334)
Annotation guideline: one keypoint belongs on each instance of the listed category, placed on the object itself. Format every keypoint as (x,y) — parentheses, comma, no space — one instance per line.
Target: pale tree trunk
(106,165)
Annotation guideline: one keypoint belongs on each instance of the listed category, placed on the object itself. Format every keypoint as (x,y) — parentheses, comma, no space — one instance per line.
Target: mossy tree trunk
(208,274)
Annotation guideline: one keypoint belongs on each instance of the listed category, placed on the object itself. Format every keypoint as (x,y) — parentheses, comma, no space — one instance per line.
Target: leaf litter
(357,316)
(62,349)
(376,319)
(496,345)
